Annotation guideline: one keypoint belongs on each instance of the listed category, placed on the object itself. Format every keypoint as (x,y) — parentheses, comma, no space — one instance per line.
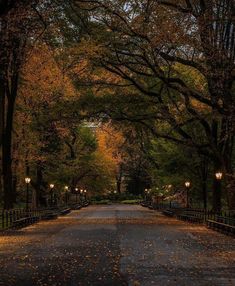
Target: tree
(55,147)
(36,135)
(197,38)
(112,147)
(21,23)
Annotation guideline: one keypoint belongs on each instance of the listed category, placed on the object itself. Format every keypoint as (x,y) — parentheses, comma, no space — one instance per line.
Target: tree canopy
(118,95)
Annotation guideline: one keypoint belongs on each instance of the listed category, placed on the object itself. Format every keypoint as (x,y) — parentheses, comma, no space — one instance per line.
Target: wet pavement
(116,245)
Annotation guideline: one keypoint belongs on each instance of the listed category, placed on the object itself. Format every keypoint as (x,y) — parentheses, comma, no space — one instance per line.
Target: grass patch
(130,202)
(106,202)
(101,202)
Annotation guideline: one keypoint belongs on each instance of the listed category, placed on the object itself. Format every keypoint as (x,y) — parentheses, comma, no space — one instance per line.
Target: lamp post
(27,181)
(51,194)
(85,194)
(169,188)
(219,176)
(81,195)
(217,190)
(66,194)
(187,185)
(76,193)
(145,194)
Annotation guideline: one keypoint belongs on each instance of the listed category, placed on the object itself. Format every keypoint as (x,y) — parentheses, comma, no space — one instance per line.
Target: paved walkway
(116,245)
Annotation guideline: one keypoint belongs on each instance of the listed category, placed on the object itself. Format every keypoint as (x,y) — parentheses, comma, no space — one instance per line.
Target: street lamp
(51,193)
(66,194)
(85,194)
(81,195)
(145,194)
(76,193)
(217,191)
(187,185)
(219,176)
(27,181)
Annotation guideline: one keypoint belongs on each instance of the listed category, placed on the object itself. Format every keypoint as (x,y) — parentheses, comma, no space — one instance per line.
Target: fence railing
(225,217)
(8,217)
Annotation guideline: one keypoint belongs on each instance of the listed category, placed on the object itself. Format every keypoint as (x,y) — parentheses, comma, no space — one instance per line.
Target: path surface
(116,245)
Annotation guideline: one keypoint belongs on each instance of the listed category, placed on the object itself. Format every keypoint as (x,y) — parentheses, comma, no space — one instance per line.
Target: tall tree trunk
(226,146)
(2,115)
(7,142)
(223,163)
(204,176)
(118,184)
(7,155)
(40,185)
(14,188)
(230,188)
(229,172)
(204,193)
(2,108)
(3,51)
(119,180)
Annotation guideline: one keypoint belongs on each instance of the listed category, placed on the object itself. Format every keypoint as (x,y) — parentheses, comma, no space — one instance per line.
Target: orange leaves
(110,143)
(43,84)
(43,78)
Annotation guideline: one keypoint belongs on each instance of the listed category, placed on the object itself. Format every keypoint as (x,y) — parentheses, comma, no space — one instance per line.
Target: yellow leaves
(83,66)
(91,48)
(192,77)
(43,77)
(43,83)
(108,155)
(110,142)
(195,81)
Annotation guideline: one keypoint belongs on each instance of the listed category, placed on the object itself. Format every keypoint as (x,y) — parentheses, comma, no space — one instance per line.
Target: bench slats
(21,222)
(219,226)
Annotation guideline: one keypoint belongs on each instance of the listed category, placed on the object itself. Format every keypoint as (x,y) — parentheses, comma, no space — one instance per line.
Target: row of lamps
(218,176)
(66,188)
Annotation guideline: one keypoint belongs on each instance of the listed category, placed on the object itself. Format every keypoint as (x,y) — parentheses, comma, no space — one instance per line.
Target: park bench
(143,204)
(24,221)
(49,215)
(221,224)
(168,212)
(193,217)
(65,211)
